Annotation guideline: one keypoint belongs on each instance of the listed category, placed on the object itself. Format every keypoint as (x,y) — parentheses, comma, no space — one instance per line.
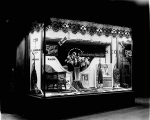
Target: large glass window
(65,62)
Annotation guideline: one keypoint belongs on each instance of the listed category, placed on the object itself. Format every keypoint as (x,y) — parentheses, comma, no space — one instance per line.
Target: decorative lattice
(81,27)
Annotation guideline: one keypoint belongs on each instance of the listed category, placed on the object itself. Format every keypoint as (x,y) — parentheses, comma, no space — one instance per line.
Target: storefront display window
(79,58)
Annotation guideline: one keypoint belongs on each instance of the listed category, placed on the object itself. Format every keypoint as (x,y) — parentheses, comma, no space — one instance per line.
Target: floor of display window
(62,92)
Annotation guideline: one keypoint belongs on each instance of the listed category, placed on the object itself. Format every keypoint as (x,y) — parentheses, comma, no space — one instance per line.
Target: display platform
(63,92)
(68,106)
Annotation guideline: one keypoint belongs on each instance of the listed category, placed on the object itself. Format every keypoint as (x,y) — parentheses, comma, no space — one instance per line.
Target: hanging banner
(35,61)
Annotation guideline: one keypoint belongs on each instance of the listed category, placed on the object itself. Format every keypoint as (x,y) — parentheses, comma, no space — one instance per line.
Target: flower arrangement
(77,61)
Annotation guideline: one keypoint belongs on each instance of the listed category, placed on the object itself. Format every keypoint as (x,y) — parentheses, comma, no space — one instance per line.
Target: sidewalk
(139,112)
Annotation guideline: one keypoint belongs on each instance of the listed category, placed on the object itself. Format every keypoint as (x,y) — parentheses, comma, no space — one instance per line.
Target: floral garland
(90,29)
(76,26)
(36,26)
(77,61)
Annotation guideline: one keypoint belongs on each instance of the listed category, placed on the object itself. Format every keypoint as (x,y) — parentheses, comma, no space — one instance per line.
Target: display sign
(107,82)
(85,77)
(62,41)
(128,53)
(85,80)
(92,55)
(35,61)
(106,70)
(87,53)
(52,50)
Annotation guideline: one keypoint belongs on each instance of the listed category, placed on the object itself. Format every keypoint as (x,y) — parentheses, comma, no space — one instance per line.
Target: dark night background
(17,24)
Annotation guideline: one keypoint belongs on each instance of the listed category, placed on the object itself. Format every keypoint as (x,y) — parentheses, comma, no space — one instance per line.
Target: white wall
(60,34)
